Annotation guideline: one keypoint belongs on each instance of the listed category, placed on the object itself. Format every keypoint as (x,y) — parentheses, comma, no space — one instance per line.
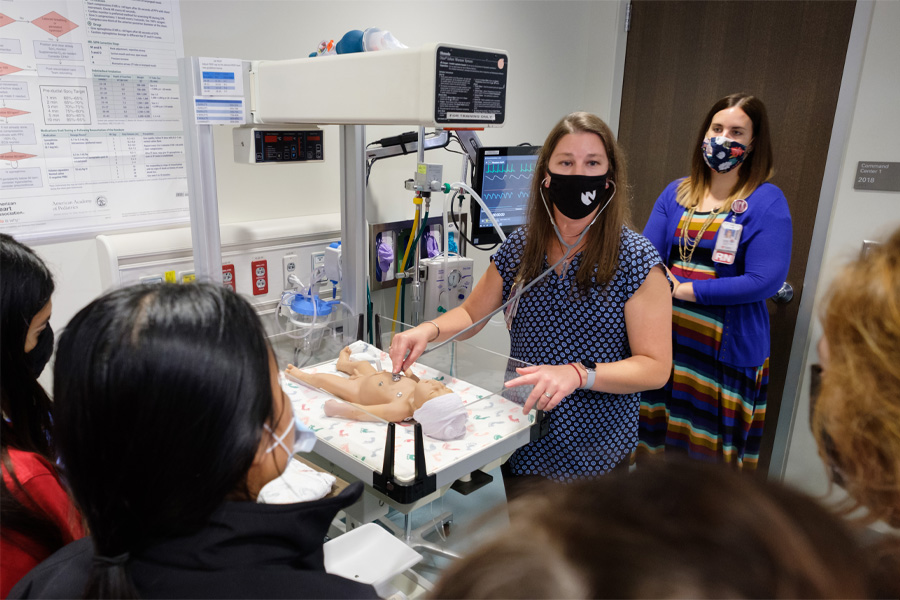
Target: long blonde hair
(600,257)
(757,167)
(859,402)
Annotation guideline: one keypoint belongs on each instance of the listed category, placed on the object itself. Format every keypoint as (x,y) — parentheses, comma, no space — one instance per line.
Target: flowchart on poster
(90,116)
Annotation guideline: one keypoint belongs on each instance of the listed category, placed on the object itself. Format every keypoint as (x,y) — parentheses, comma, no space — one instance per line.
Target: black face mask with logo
(576,196)
(815,388)
(40,355)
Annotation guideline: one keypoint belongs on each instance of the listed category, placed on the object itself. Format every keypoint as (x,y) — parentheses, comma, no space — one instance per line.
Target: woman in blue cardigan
(725,234)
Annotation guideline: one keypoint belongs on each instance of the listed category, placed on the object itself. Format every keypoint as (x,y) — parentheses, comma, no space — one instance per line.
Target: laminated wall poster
(90,117)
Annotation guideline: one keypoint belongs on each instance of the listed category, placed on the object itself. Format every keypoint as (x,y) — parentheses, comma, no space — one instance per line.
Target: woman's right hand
(407,346)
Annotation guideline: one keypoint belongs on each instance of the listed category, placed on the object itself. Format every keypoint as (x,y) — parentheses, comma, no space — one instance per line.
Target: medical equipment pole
(353,222)
(415,313)
(200,160)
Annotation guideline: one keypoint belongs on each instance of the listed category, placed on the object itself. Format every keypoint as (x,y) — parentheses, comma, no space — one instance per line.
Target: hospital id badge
(727,243)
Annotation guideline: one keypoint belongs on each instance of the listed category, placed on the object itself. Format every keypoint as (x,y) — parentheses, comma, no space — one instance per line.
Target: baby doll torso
(380,388)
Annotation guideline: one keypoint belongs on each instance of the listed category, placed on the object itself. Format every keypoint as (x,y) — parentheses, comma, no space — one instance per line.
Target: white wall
(562,56)
(858,215)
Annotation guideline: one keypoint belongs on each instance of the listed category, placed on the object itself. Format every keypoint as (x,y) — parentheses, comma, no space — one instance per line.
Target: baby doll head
(425,390)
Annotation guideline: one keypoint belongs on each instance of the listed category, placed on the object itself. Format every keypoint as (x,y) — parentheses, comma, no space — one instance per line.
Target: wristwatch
(589,366)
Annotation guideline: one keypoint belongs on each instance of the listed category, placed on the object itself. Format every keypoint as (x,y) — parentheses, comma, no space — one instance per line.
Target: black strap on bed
(541,425)
(421,486)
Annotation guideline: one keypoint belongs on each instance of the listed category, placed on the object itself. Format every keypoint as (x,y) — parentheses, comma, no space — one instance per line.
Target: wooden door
(682,56)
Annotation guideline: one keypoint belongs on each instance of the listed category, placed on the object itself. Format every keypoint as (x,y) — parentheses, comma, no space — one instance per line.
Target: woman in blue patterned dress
(597,330)
(725,233)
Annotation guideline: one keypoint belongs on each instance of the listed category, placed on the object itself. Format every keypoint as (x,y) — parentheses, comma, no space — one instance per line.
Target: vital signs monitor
(503,180)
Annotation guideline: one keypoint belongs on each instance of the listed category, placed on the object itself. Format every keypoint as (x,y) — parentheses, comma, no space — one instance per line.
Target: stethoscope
(533,282)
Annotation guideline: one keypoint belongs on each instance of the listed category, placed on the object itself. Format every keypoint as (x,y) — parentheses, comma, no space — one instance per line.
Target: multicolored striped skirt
(708,410)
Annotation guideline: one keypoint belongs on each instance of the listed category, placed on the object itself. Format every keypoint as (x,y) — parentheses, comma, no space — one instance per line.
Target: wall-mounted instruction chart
(90,117)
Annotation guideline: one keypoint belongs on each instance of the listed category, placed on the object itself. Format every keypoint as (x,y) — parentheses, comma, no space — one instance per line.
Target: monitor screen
(503,180)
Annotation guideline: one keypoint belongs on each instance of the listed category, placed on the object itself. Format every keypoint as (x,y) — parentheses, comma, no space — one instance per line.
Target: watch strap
(591,376)
(589,368)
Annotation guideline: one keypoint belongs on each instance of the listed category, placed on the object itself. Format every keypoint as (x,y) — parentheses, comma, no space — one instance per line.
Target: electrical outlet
(259,272)
(289,264)
(316,260)
(228,276)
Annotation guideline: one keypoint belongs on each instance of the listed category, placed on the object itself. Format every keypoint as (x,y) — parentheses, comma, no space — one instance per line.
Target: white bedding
(491,419)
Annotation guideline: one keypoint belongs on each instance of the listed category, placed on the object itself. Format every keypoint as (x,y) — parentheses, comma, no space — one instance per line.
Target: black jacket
(246,550)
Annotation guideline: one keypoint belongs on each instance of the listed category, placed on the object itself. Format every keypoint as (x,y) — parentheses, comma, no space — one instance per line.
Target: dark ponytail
(110,579)
(161,394)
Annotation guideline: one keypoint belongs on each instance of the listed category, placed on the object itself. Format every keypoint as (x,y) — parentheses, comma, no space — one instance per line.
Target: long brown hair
(859,403)
(757,168)
(600,257)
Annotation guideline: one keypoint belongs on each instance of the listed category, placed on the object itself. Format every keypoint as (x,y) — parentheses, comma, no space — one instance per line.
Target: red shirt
(37,476)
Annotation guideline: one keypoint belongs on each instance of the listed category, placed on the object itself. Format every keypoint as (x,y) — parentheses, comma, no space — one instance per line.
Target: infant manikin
(371,394)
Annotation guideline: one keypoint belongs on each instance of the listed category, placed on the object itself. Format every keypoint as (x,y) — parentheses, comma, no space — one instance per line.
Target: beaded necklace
(686,245)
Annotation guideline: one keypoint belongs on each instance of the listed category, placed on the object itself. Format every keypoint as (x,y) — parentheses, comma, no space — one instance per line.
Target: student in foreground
(169,419)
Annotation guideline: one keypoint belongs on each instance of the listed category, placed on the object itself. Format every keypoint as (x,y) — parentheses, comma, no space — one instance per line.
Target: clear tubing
(464,172)
(460,185)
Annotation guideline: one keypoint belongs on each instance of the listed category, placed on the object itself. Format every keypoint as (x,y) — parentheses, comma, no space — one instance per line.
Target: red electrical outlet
(260,272)
(228,276)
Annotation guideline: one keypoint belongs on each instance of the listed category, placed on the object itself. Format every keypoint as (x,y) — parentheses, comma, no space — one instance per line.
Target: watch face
(588,364)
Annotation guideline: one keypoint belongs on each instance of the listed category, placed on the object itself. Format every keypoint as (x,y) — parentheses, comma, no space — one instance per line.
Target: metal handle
(784,295)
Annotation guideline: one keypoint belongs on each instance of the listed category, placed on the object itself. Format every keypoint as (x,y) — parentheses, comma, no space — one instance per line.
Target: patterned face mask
(723,154)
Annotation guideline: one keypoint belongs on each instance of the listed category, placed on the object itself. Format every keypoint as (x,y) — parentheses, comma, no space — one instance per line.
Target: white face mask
(304,438)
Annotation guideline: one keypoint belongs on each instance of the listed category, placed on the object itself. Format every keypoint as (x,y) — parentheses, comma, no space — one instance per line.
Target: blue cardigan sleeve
(766,261)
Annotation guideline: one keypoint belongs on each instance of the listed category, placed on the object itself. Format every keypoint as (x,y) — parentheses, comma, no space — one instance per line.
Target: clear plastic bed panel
(495,422)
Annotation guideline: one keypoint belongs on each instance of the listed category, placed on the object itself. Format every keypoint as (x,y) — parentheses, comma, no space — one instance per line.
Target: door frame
(840,134)
(618,82)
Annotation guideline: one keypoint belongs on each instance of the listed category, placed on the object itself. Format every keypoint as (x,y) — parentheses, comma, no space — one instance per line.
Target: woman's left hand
(551,384)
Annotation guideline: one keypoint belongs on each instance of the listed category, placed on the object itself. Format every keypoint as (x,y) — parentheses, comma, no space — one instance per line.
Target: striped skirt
(708,410)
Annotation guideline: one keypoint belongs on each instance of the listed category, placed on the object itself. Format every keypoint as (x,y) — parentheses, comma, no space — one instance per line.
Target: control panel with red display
(287,146)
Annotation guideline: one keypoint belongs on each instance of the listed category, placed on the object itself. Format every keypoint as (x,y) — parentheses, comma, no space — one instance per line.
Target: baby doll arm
(346,389)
